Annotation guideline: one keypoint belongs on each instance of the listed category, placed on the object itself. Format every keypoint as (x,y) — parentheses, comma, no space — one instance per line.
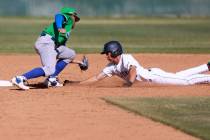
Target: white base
(5,83)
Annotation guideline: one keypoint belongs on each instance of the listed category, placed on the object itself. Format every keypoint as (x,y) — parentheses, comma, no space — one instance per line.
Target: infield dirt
(78,112)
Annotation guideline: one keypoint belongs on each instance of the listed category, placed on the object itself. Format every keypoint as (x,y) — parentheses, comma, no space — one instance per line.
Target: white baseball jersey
(156,75)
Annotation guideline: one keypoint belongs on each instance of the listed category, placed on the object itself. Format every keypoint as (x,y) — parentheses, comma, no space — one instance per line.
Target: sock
(59,67)
(34,73)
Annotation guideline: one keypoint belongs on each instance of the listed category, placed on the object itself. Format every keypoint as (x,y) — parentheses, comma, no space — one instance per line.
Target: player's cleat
(52,82)
(208,64)
(19,81)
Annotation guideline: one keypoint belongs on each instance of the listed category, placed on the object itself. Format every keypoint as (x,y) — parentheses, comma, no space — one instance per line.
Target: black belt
(53,39)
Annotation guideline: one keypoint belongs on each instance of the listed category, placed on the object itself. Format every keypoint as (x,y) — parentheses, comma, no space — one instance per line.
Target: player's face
(111,59)
(74,23)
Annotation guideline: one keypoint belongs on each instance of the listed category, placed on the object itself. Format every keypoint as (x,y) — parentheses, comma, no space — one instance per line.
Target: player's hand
(62,30)
(68,82)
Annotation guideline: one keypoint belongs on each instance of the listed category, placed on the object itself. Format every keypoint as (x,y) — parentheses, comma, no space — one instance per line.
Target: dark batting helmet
(113,47)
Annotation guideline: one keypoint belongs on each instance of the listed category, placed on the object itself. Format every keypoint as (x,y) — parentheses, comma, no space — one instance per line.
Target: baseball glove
(84,65)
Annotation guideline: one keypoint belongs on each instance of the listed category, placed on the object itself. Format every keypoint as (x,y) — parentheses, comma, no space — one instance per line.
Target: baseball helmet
(70,11)
(113,47)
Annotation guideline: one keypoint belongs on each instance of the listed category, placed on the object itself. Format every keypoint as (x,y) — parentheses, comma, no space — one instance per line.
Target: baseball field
(107,110)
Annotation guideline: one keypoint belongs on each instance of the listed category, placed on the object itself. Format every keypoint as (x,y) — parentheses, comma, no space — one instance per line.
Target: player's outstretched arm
(89,81)
(93,79)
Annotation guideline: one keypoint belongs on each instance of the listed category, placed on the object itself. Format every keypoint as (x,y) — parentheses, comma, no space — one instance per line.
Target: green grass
(189,114)
(156,35)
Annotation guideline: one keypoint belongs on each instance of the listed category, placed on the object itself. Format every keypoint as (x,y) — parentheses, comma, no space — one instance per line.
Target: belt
(44,34)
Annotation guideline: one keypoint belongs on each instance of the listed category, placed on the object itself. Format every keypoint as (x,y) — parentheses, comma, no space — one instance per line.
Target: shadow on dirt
(37,86)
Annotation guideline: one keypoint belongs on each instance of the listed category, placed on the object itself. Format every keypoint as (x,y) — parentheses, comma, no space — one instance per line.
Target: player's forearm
(89,81)
(76,61)
(93,79)
(132,76)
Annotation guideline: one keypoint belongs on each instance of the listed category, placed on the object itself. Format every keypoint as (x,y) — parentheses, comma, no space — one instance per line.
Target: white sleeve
(108,70)
(131,61)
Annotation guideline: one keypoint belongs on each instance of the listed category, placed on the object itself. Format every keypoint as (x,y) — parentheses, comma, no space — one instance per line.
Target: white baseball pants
(186,77)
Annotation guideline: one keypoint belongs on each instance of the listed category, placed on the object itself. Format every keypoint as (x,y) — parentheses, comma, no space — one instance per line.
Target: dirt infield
(78,113)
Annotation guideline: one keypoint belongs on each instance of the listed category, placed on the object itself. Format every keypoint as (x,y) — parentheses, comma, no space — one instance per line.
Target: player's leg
(20,81)
(161,77)
(45,48)
(195,70)
(65,56)
(199,79)
(48,59)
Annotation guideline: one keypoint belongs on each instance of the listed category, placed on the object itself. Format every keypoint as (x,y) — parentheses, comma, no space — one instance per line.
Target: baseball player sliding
(51,46)
(127,67)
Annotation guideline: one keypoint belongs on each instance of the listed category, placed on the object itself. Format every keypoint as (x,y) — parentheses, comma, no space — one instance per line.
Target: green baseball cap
(71,11)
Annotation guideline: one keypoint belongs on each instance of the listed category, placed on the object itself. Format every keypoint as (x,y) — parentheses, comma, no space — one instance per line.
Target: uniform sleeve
(59,20)
(108,70)
(131,61)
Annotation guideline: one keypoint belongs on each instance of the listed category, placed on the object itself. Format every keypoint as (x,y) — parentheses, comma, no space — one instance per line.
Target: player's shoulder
(108,68)
(66,17)
(127,56)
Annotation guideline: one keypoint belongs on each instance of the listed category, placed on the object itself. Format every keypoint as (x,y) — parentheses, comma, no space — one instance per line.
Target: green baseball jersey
(60,38)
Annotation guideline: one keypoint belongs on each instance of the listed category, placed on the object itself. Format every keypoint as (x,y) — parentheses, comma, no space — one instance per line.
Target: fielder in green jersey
(61,36)
(51,46)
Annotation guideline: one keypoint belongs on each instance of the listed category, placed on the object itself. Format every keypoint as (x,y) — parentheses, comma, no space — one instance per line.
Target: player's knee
(71,54)
(49,70)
